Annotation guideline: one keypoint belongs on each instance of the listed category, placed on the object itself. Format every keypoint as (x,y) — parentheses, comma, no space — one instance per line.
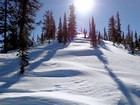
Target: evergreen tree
(42,39)
(65,30)
(9,26)
(99,37)
(27,11)
(112,30)
(132,47)
(139,43)
(136,40)
(60,31)
(3,22)
(49,26)
(72,22)
(118,29)
(105,34)
(53,27)
(14,19)
(85,33)
(124,40)
(93,34)
(128,36)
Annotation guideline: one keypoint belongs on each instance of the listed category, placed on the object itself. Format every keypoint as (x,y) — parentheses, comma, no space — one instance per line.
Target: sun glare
(83,6)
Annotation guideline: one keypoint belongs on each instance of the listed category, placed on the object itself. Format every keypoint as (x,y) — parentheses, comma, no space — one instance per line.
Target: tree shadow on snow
(103,45)
(46,53)
(9,66)
(120,84)
(8,81)
(28,100)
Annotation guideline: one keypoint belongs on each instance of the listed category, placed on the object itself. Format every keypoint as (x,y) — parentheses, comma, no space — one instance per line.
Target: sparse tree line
(66,28)
(130,40)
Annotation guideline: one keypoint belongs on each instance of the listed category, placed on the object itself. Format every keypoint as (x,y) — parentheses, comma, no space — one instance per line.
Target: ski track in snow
(73,74)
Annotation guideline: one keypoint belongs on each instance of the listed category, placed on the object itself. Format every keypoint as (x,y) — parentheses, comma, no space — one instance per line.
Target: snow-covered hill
(75,74)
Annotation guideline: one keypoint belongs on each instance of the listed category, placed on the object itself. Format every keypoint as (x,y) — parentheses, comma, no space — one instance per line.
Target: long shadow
(52,49)
(8,66)
(103,45)
(120,84)
(31,100)
(9,81)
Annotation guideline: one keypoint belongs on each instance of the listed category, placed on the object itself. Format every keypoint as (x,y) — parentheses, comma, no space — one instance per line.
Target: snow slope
(75,74)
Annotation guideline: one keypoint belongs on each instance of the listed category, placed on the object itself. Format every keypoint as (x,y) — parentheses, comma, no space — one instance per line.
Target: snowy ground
(75,74)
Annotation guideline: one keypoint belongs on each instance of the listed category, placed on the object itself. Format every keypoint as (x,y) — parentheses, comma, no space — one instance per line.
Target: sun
(83,6)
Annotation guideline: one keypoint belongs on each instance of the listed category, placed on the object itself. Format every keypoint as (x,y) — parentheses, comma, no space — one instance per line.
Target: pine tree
(27,11)
(65,30)
(93,34)
(42,39)
(72,22)
(105,34)
(53,27)
(13,28)
(99,37)
(132,47)
(85,33)
(3,23)
(136,40)
(112,30)
(128,36)
(124,40)
(9,24)
(118,29)
(60,31)
(139,43)
(49,26)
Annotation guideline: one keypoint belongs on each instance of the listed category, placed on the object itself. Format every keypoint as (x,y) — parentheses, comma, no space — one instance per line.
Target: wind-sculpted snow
(72,74)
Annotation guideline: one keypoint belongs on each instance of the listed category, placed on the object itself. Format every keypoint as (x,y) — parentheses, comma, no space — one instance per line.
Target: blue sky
(102,11)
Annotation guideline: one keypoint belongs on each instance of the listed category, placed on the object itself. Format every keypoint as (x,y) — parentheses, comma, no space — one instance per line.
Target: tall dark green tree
(60,31)
(13,29)
(112,30)
(105,34)
(118,29)
(136,40)
(72,22)
(65,30)
(85,33)
(132,46)
(124,40)
(28,10)
(49,26)
(93,34)
(99,38)
(5,27)
(3,22)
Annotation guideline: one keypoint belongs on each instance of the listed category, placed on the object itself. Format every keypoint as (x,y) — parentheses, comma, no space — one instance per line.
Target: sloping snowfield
(75,74)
